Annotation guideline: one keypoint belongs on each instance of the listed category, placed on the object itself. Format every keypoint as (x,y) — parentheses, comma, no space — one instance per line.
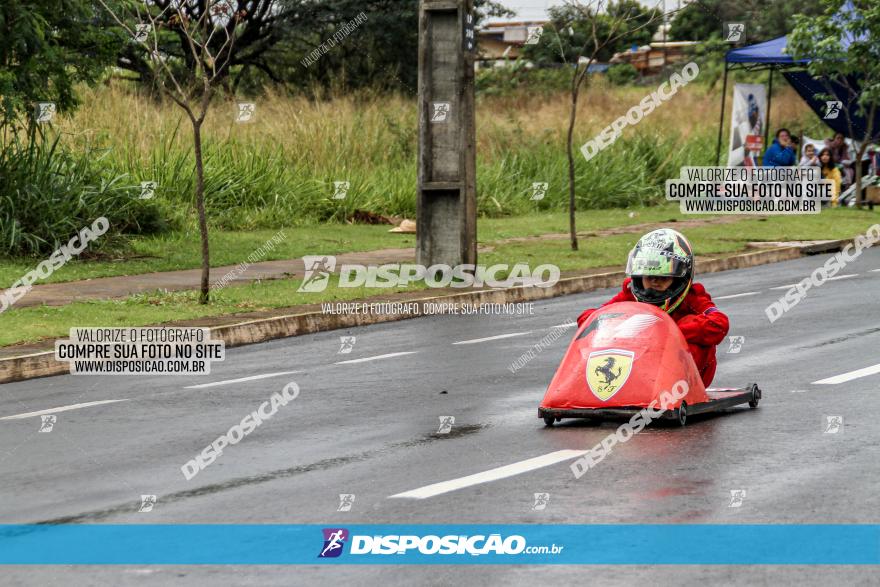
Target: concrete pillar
(446,206)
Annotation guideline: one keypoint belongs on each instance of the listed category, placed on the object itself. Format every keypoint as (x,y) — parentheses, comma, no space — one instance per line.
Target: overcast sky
(537,9)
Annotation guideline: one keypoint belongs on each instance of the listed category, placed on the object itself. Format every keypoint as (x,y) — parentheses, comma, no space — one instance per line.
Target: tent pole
(721,118)
(769,98)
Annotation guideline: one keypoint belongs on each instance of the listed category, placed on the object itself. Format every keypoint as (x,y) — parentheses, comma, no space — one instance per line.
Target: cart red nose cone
(626,355)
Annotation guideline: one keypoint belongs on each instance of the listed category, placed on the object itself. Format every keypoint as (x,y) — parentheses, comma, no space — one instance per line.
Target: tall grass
(48,193)
(280,169)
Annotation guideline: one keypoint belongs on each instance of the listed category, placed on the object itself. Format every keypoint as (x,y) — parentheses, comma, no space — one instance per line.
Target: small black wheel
(681,415)
(548,420)
(756,397)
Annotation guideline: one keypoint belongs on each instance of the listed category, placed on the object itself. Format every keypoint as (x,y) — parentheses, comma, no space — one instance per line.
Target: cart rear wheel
(756,397)
(681,414)
(548,420)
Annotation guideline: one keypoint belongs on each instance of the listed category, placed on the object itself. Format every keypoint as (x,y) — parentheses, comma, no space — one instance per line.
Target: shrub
(48,193)
(621,74)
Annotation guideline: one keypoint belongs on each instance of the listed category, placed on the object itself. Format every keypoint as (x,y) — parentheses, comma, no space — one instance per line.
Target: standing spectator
(809,158)
(840,153)
(781,152)
(830,171)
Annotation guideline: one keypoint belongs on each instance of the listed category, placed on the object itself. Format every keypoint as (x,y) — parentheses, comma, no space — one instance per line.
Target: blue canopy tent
(770,55)
(854,126)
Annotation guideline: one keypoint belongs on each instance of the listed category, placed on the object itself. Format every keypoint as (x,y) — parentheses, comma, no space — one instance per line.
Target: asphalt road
(370,428)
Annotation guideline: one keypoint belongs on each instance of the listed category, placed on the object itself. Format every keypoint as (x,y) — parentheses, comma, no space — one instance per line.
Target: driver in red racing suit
(661,273)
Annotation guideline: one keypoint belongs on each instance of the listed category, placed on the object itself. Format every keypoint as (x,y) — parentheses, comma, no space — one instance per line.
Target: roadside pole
(446,205)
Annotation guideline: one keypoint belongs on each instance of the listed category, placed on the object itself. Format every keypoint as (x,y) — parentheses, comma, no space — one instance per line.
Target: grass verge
(180,250)
(34,323)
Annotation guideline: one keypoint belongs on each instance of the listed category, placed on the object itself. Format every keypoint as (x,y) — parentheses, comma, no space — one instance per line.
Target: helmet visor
(645,261)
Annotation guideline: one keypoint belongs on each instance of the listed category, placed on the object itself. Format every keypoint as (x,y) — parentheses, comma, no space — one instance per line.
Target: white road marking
(742,295)
(376,358)
(566,325)
(476,340)
(492,474)
(844,377)
(62,409)
(835,278)
(251,378)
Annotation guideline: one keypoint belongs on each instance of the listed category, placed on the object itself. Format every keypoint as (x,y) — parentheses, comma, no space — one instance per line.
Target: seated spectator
(840,153)
(781,152)
(830,171)
(873,160)
(809,158)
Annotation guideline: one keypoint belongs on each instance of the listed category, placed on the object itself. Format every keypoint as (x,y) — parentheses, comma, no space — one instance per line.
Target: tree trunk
(860,194)
(200,206)
(569,144)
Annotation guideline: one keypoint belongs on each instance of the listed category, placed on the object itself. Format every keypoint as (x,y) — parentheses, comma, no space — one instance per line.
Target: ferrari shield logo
(607,371)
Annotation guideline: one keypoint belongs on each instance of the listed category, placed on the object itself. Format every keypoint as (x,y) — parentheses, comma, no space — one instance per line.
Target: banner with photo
(747,122)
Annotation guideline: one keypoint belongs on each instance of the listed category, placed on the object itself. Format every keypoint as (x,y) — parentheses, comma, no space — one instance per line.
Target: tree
(702,20)
(257,29)
(275,35)
(383,51)
(46,48)
(209,32)
(854,67)
(599,29)
(569,31)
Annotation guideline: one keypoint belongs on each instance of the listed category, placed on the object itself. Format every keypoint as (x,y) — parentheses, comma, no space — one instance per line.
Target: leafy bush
(621,74)
(517,78)
(49,193)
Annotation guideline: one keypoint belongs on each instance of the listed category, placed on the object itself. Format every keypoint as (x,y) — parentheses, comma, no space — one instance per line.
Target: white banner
(747,122)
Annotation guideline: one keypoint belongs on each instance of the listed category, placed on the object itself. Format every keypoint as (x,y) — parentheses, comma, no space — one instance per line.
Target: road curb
(43,364)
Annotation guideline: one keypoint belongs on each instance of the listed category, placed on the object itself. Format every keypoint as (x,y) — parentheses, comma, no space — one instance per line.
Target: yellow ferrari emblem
(607,371)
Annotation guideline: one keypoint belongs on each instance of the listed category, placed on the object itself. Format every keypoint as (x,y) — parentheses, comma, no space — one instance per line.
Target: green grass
(181,250)
(33,323)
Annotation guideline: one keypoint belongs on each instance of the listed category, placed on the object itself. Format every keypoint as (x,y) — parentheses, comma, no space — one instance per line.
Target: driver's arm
(707,325)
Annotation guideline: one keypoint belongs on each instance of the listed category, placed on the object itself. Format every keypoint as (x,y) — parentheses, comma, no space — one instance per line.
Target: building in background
(651,59)
(501,43)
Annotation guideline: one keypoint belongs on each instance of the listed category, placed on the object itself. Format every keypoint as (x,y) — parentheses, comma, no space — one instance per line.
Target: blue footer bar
(297,544)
